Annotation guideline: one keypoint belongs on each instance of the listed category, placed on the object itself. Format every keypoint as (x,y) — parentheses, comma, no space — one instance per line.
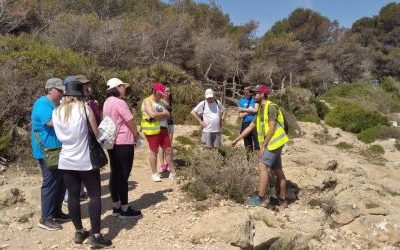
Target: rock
(265,215)
(264,236)
(10,196)
(4,246)
(346,214)
(377,211)
(391,186)
(23,215)
(329,182)
(2,169)
(331,165)
(228,224)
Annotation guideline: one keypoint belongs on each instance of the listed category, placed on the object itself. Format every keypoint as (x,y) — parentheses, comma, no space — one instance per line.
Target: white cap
(209,93)
(114,82)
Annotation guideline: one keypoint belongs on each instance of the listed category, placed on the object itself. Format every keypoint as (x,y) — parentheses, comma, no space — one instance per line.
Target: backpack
(107,133)
(204,106)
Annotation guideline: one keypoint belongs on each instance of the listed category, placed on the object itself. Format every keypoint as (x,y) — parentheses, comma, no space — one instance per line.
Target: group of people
(62,118)
(64,115)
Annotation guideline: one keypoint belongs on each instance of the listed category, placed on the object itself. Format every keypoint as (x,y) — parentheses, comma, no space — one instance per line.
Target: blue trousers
(52,192)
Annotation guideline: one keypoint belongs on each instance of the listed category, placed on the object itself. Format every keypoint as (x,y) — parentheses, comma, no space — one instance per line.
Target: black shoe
(116,211)
(49,225)
(130,213)
(83,196)
(62,217)
(81,236)
(99,242)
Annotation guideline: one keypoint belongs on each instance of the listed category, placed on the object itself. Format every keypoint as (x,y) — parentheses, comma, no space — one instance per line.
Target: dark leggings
(251,140)
(121,160)
(91,180)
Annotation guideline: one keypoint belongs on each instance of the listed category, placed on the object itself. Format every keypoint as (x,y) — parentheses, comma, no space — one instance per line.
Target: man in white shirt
(210,114)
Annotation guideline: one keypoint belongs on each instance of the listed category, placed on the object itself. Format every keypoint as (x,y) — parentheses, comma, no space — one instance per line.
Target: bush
(389,84)
(379,132)
(231,131)
(322,108)
(397,144)
(365,95)
(184,140)
(376,149)
(353,118)
(309,118)
(227,173)
(4,139)
(344,145)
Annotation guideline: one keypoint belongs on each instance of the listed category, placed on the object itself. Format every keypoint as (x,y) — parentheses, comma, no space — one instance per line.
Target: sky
(267,12)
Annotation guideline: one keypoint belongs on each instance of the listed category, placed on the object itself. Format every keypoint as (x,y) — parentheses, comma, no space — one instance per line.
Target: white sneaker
(172,176)
(156,177)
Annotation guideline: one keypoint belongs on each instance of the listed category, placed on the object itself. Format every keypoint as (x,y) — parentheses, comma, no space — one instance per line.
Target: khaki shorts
(272,159)
(211,139)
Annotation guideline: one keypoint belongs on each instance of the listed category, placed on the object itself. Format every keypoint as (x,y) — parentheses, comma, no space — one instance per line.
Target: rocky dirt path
(165,214)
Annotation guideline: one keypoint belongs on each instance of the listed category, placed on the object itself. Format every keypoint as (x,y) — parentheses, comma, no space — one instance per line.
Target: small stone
(54,246)
(4,246)
(38,242)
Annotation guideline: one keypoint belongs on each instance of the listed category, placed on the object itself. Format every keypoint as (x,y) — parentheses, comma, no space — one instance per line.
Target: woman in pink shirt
(121,155)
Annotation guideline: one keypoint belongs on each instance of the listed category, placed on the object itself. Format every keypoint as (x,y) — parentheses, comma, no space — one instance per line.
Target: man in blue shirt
(53,188)
(248,109)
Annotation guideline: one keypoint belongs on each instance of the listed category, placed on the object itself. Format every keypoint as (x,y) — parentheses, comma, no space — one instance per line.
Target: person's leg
(161,157)
(216,139)
(48,192)
(154,144)
(165,145)
(125,157)
(254,137)
(91,179)
(60,194)
(72,181)
(114,177)
(206,140)
(263,180)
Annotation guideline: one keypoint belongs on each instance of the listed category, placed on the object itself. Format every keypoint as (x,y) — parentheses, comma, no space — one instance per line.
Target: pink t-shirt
(120,113)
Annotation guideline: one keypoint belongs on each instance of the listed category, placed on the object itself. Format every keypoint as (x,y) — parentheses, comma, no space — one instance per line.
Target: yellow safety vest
(149,126)
(279,138)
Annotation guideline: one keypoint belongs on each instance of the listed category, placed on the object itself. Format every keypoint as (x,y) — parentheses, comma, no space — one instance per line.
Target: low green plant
(379,132)
(376,149)
(4,139)
(231,131)
(354,118)
(322,108)
(313,118)
(397,144)
(389,84)
(184,140)
(197,132)
(344,145)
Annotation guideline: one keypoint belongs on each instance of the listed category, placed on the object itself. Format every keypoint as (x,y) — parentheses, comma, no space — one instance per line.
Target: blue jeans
(52,192)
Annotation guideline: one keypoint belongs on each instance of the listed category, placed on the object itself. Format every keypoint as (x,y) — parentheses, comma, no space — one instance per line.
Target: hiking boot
(49,225)
(130,213)
(116,211)
(62,217)
(81,236)
(254,201)
(283,203)
(99,242)
(156,177)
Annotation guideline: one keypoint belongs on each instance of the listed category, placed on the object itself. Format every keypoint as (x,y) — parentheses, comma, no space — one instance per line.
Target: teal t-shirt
(41,114)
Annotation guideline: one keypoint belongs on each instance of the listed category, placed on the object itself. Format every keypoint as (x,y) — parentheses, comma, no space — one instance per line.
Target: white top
(73,135)
(211,116)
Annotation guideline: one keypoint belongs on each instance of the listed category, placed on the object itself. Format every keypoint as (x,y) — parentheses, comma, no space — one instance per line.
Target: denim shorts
(272,158)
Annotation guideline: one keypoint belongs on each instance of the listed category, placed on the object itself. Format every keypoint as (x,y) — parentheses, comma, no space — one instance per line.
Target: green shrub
(365,95)
(226,172)
(344,145)
(184,140)
(198,190)
(309,118)
(4,139)
(322,108)
(197,132)
(231,131)
(397,144)
(353,118)
(376,149)
(389,84)
(379,132)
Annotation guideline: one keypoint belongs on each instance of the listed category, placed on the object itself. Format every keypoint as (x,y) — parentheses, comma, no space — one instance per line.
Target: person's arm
(133,128)
(197,117)
(92,120)
(50,124)
(152,113)
(245,132)
(249,110)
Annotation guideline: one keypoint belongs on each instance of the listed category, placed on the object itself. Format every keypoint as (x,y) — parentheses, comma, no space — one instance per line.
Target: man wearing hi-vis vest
(269,123)
(156,134)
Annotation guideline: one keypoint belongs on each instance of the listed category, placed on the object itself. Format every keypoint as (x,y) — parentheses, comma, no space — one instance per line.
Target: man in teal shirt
(53,188)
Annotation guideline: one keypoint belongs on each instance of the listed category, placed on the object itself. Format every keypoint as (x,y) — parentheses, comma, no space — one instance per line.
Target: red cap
(260,88)
(159,88)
